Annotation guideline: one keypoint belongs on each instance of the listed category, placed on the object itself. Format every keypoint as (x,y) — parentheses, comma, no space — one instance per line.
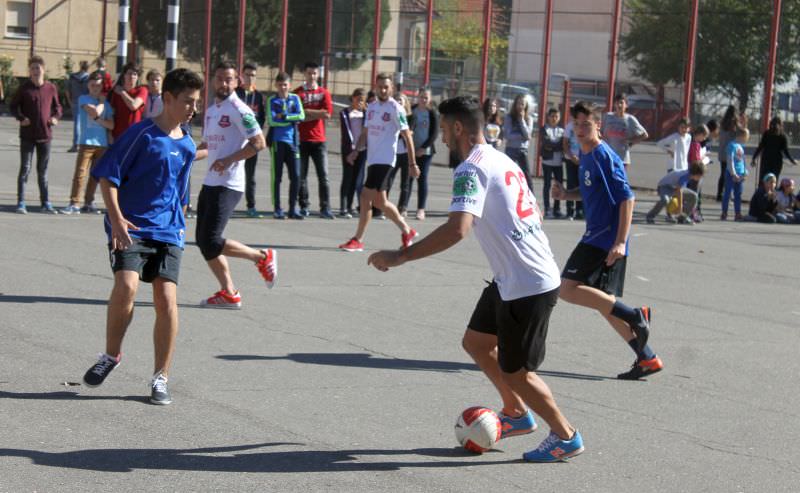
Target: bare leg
(366,199)
(120,309)
(165,330)
(483,350)
(581,294)
(220,268)
(390,211)
(537,395)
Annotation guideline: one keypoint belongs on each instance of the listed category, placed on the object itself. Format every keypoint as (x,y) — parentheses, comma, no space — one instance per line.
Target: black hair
(383,76)
(249,66)
(310,65)
(620,97)
(371,94)
(591,110)
(283,77)
(697,168)
(464,109)
(712,125)
(131,66)
(181,79)
(226,65)
(358,92)
(552,111)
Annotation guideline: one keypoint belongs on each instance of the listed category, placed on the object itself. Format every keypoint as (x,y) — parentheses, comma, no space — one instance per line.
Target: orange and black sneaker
(643,368)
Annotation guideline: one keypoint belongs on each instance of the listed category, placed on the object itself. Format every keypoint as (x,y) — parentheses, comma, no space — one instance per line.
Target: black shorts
(215,206)
(520,326)
(587,265)
(150,258)
(378,177)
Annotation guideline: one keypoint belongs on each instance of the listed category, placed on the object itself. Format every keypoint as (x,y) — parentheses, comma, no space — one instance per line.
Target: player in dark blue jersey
(144,177)
(594,275)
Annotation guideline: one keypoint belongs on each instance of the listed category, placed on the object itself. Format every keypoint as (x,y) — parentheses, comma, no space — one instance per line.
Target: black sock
(626,313)
(647,352)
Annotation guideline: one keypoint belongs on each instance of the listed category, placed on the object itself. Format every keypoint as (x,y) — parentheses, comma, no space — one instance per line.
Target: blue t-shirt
(151,171)
(284,127)
(735,154)
(91,133)
(604,186)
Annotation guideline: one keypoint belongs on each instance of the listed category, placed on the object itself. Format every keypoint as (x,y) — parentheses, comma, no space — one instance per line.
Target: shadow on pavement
(286,247)
(201,459)
(64,395)
(9,298)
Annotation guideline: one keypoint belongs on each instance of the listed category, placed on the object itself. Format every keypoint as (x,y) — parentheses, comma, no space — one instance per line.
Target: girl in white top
(677,146)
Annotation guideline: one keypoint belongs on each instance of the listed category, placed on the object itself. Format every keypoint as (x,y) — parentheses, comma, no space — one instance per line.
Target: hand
(557,191)
(25,122)
(575,159)
(419,152)
(120,239)
(220,166)
(351,158)
(53,121)
(384,259)
(118,89)
(617,252)
(91,110)
(413,170)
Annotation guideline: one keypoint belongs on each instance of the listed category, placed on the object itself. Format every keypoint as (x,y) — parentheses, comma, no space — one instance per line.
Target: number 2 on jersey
(523,187)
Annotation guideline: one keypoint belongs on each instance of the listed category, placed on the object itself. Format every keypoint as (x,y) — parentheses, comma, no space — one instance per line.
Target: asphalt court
(343,378)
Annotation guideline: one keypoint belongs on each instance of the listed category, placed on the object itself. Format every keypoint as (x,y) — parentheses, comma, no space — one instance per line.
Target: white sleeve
(247,123)
(470,185)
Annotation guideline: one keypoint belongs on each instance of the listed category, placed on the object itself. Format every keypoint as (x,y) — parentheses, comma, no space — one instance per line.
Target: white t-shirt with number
(385,120)
(229,124)
(508,223)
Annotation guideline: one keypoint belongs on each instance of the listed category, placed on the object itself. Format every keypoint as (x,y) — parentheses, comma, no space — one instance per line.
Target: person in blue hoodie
(285,111)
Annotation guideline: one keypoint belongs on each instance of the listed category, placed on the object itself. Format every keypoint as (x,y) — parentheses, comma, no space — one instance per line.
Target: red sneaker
(408,238)
(353,245)
(223,299)
(268,266)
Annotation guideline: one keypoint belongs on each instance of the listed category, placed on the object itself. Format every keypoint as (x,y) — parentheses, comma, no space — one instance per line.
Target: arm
(413,169)
(261,116)
(298,115)
(625,217)
(558,192)
(639,132)
(527,128)
(55,107)
(120,239)
(253,146)
(457,227)
(785,150)
(759,149)
(202,151)
(666,144)
(433,131)
(133,104)
(362,142)
(347,134)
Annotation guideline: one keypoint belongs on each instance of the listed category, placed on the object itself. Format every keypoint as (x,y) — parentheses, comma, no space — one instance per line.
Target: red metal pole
(688,77)
(328,34)
(773,54)
(565,103)
(284,27)
(612,55)
(548,35)
(103,30)
(33,25)
(428,29)
(240,38)
(134,18)
(487,33)
(376,41)
(207,60)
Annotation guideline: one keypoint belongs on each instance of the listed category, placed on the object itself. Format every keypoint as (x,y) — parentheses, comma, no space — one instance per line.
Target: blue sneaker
(304,212)
(71,209)
(253,213)
(326,214)
(554,449)
(279,214)
(517,426)
(21,209)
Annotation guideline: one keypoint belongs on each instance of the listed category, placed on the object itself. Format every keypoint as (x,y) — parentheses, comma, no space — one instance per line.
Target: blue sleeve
(684,180)
(618,186)
(119,158)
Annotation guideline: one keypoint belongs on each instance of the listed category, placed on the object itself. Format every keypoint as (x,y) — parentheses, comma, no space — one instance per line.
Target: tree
(732,44)
(305,33)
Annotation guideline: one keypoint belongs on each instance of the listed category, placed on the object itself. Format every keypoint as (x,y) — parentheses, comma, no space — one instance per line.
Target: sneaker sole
(563,458)
(352,249)
(160,403)
(517,433)
(221,307)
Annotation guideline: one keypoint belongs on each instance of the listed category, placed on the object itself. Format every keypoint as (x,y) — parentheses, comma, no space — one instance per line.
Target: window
(18,20)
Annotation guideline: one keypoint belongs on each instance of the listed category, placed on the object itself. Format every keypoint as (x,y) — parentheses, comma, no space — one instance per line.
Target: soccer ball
(673,208)
(477,429)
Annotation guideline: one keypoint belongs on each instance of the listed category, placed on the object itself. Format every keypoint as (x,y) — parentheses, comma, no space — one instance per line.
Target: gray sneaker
(159,393)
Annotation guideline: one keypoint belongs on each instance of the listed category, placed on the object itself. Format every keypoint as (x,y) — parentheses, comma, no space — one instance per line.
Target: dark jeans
(424,163)
(250,181)
(26,148)
(572,183)
(350,174)
(732,187)
(550,173)
(723,170)
(282,153)
(402,166)
(318,152)
(520,156)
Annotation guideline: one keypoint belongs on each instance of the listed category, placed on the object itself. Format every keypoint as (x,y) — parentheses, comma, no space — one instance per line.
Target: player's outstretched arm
(457,227)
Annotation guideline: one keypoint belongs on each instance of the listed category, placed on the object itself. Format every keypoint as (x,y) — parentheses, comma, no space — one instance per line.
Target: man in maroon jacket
(36,107)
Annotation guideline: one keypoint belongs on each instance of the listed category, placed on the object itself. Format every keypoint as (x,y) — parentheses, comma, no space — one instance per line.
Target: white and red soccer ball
(478,429)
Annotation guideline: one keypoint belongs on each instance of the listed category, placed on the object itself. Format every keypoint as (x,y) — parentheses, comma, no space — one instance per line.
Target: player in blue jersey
(594,275)
(144,178)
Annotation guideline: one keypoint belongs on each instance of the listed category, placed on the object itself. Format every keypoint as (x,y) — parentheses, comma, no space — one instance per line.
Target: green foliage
(732,43)
(305,36)
(10,83)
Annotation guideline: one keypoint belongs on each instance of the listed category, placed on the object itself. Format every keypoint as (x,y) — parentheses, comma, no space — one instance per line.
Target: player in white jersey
(385,121)
(507,332)
(231,134)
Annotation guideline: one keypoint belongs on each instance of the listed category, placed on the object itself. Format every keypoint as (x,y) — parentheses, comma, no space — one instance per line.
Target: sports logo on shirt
(386,117)
(402,118)
(224,121)
(249,121)
(465,186)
